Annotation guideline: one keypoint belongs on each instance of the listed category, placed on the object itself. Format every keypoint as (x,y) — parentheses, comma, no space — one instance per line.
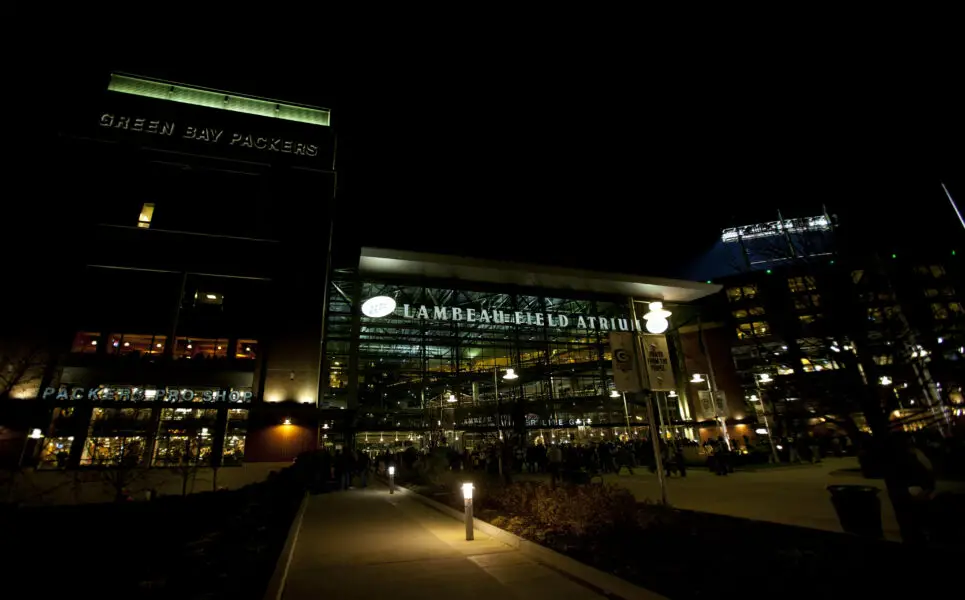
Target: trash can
(858,508)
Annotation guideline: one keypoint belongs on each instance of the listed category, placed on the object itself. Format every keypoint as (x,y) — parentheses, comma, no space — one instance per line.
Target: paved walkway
(368,544)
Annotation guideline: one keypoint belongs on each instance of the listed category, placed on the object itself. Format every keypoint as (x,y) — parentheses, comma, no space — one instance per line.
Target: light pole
(765,378)
(657,323)
(467,496)
(721,429)
(509,376)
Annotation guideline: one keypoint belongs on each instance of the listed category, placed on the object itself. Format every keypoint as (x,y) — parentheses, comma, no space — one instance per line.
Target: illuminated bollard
(391,480)
(467,494)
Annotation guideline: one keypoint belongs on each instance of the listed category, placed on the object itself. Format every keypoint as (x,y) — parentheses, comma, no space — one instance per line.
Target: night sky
(613,164)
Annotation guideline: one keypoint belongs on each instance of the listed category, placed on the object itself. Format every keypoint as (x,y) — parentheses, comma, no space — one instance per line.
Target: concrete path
(369,544)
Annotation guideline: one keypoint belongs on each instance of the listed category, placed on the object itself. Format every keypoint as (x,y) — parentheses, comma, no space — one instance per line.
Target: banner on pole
(659,370)
(624,366)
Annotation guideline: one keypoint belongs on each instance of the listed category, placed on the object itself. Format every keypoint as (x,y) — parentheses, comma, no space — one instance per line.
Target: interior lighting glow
(198,96)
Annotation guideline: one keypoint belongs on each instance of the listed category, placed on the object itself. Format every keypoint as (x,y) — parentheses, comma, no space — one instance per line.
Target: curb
(605,583)
(276,585)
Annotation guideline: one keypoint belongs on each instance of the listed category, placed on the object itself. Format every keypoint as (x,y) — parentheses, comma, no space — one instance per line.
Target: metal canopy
(385,262)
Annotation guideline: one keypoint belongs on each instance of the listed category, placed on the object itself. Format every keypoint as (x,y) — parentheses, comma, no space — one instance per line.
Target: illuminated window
(807,319)
(141,344)
(931,293)
(55,452)
(112,450)
(756,310)
(807,301)
(147,213)
(247,349)
(201,348)
(874,315)
(755,329)
(735,294)
(740,314)
(884,359)
(955,307)
(939,311)
(234,440)
(85,342)
(801,284)
(935,271)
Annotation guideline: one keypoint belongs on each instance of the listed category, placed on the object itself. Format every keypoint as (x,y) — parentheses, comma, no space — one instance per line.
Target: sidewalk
(369,544)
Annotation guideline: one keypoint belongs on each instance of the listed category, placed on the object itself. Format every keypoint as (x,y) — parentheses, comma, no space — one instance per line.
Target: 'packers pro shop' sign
(136,394)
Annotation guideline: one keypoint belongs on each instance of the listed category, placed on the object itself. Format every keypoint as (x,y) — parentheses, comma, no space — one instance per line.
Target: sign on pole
(659,368)
(624,366)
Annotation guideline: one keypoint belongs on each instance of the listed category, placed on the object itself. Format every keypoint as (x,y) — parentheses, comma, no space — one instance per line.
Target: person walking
(363,466)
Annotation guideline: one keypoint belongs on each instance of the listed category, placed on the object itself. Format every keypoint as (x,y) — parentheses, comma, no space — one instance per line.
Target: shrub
(573,509)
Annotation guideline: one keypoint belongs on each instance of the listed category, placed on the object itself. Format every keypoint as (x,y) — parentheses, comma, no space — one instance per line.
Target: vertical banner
(624,366)
(659,370)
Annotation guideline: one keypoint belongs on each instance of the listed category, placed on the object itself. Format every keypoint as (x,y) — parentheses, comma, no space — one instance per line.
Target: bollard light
(391,470)
(467,495)
(392,479)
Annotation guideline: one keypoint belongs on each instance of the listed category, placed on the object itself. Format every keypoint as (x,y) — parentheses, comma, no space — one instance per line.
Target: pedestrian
(679,457)
(363,467)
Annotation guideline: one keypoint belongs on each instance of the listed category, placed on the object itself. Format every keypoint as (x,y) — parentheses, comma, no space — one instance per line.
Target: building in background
(427,350)
(814,322)
(185,284)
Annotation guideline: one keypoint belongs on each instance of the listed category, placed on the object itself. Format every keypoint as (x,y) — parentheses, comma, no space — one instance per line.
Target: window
(955,307)
(209,297)
(874,315)
(939,311)
(85,342)
(755,329)
(112,450)
(756,310)
(141,344)
(147,213)
(857,276)
(55,452)
(808,319)
(740,314)
(234,440)
(247,349)
(948,291)
(801,284)
(884,359)
(935,271)
(892,312)
(736,294)
(931,293)
(201,348)
(807,301)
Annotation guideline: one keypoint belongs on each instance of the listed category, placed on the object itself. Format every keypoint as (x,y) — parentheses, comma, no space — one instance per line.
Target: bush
(566,509)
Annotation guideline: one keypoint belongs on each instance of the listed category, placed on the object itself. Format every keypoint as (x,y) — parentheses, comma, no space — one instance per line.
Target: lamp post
(391,479)
(721,428)
(765,378)
(467,496)
(509,376)
(656,323)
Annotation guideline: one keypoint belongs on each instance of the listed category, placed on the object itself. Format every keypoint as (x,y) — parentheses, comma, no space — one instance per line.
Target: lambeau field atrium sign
(382,306)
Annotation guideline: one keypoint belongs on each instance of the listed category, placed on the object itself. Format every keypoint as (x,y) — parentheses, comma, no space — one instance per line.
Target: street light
(656,318)
(467,496)
(765,378)
(885,380)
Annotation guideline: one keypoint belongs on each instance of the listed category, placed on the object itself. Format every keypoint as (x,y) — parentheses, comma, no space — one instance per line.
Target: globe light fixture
(697,378)
(36,434)
(766,378)
(510,375)
(614,394)
(656,318)
(379,306)
(452,398)
(885,380)
(672,394)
